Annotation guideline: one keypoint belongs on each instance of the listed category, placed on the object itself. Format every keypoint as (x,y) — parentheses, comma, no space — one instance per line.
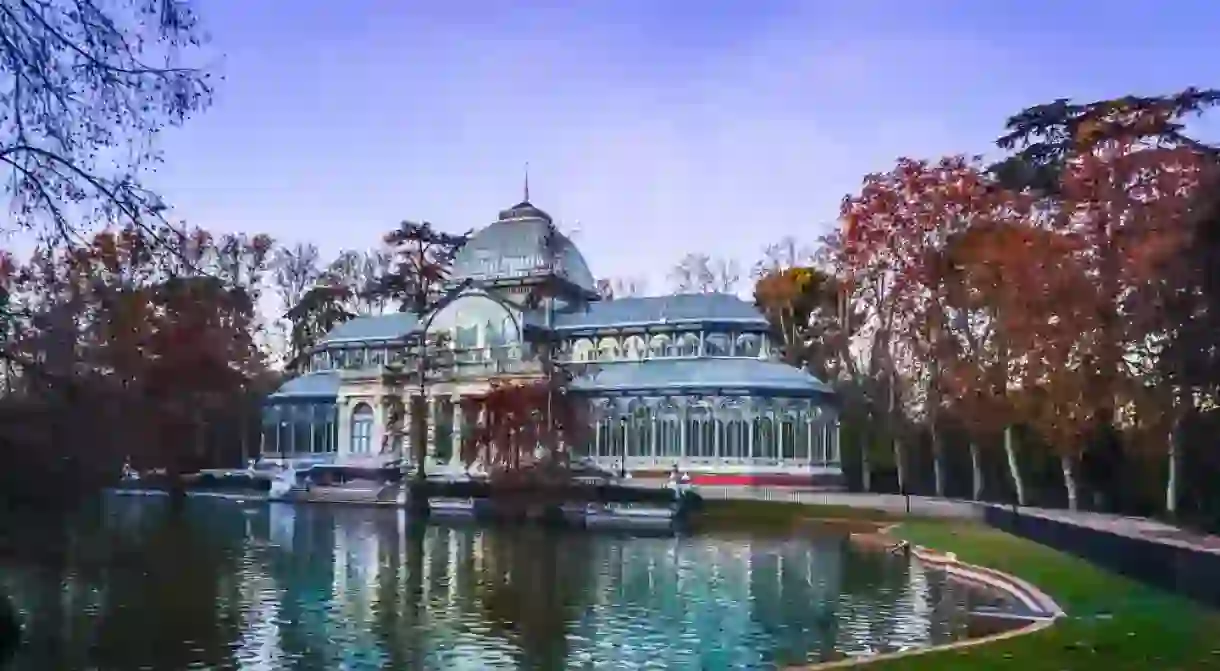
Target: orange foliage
(512,423)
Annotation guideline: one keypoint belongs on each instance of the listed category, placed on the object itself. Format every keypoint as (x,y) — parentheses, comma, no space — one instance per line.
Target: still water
(222,585)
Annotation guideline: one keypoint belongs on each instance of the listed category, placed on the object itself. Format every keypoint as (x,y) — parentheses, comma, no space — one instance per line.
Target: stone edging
(1043,611)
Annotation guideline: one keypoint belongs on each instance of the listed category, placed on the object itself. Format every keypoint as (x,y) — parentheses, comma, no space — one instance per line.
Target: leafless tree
(726,275)
(622,287)
(781,255)
(297,270)
(376,264)
(87,86)
(701,274)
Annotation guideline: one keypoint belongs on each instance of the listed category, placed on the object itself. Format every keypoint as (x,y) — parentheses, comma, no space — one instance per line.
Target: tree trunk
(419,435)
(976,473)
(938,461)
(1171,479)
(1069,482)
(1185,406)
(899,461)
(1014,469)
(866,467)
(900,465)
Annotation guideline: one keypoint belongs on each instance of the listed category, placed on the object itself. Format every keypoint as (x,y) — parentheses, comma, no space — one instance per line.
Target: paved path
(1134,527)
(958,509)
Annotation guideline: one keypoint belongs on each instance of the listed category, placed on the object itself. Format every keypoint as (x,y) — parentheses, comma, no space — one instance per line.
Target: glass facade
(691,380)
(300,426)
(659,431)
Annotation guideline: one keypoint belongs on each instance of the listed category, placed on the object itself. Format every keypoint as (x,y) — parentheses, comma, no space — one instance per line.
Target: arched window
(376,358)
(639,431)
(271,429)
(362,429)
(669,431)
(634,348)
(716,344)
(787,435)
(338,358)
(687,345)
(658,347)
(608,350)
(700,433)
(736,440)
(765,441)
(748,345)
(582,350)
(466,317)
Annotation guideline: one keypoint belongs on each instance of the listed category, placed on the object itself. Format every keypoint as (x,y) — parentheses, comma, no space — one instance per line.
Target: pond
(226,585)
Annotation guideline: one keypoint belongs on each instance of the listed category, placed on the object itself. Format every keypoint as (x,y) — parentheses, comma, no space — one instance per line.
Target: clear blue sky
(654,127)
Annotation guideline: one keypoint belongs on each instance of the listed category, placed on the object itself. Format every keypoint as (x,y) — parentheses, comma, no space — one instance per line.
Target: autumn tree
(802,304)
(525,424)
(418,280)
(1121,176)
(890,231)
(319,310)
(140,343)
(1008,288)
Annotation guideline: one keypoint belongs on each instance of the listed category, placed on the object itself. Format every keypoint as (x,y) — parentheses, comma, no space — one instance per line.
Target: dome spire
(527,183)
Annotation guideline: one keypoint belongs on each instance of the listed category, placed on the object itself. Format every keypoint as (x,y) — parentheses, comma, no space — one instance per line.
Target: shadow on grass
(784,517)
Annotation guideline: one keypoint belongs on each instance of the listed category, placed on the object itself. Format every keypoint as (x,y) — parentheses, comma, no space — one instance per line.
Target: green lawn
(1112,623)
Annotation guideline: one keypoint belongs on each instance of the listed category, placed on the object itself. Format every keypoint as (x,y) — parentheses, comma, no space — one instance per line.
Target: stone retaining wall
(1194,573)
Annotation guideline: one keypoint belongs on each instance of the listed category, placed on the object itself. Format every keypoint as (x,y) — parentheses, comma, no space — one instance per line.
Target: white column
(343,418)
(834,444)
(597,439)
(750,435)
(378,432)
(432,420)
(455,456)
(809,436)
(652,437)
(683,442)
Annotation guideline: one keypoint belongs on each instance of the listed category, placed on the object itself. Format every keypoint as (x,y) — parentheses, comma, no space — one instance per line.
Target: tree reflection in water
(224,585)
(531,587)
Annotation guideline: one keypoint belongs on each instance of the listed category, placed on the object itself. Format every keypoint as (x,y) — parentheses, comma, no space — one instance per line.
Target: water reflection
(226,586)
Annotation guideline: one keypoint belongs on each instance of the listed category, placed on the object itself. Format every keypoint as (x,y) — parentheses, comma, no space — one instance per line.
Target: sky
(652,128)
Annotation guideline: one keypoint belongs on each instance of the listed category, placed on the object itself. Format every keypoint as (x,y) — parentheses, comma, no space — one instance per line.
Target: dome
(515,246)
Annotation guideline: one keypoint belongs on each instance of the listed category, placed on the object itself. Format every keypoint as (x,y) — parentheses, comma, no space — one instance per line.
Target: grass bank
(1112,624)
(783,517)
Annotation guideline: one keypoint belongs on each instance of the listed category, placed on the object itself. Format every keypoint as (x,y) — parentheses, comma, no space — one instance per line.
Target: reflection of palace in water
(480,595)
(333,587)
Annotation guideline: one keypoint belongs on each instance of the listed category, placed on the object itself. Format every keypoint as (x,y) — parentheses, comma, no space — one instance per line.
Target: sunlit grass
(1113,623)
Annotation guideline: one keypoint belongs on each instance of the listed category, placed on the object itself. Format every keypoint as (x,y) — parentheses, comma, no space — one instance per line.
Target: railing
(917,505)
(446,364)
